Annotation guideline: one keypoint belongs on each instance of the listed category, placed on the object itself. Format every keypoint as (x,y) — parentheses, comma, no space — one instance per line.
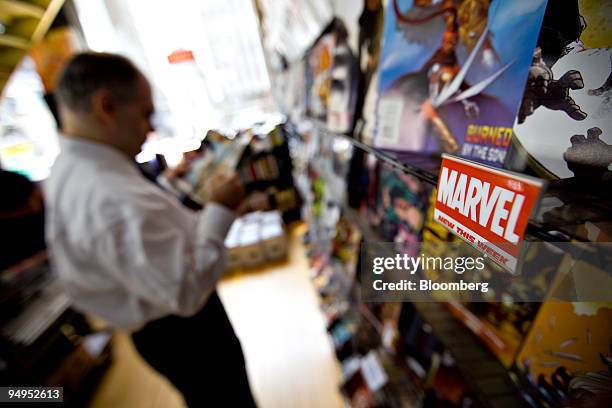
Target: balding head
(104,97)
(89,72)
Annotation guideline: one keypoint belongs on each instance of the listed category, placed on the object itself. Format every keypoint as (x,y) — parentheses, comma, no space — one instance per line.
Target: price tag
(373,372)
(389,121)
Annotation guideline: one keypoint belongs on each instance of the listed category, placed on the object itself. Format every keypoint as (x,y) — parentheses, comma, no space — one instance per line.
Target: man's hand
(179,171)
(226,190)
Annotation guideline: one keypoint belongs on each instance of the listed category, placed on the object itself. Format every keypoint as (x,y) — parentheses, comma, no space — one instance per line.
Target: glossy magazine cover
(401,208)
(566,360)
(567,99)
(452,75)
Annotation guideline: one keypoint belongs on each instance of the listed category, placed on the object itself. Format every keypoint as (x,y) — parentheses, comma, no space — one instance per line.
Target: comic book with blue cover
(452,75)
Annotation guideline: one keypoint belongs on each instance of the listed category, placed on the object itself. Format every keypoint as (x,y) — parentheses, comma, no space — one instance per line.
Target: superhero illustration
(589,158)
(544,90)
(564,119)
(593,388)
(569,364)
(401,208)
(452,74)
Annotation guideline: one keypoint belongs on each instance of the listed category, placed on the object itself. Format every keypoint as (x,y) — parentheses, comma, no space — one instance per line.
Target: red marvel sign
(486,207)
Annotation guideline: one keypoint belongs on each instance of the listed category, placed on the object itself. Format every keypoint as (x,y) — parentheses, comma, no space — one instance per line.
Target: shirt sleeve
(169,258)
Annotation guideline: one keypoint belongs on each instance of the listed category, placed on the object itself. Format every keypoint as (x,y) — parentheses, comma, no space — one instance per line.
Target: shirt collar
(94,151)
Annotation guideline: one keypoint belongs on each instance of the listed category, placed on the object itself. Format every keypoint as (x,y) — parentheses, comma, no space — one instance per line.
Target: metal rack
(573,209)
(489,379)
(578,206)
(486,375)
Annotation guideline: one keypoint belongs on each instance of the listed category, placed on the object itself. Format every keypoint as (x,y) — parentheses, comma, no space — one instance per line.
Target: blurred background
(285,93)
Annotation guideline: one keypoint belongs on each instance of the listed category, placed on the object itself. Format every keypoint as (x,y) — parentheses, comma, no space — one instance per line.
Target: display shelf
(14,41)
(38,316)
(401,390)
(423,167)
(369,316)
(575,211)
(486,375)
(32,300)
(505,347)
(26,272)
(25,23)
(16,8)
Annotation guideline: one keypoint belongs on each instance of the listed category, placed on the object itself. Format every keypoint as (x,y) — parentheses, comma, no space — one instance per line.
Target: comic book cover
(318,77)
(344,83)
(567,354)
(452,75)
(564,121)
(401,207)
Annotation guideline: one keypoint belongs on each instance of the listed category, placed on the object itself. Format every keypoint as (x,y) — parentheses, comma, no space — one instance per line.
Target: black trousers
(200,355)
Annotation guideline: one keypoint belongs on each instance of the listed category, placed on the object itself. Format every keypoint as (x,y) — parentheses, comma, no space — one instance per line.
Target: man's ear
(103,105)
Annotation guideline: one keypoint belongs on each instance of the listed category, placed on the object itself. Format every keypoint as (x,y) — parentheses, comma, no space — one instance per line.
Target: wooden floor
(275,313)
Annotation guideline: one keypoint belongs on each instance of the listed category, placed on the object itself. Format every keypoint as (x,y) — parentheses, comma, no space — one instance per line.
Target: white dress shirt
(125,250)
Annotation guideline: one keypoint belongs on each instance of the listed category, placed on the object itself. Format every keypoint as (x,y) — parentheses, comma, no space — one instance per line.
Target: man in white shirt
(128,252)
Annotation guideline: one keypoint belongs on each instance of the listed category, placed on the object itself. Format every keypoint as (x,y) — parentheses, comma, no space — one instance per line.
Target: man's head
(104,97)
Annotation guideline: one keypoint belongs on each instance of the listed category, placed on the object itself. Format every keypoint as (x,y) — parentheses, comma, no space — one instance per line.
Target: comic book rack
(561,229)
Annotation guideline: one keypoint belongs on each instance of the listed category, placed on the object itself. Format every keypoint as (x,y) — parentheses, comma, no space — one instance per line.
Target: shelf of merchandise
(485,374)
(14,41)
(483,371)
(491,381)
(399,391)
(578,207)
(24,24)
(21,8)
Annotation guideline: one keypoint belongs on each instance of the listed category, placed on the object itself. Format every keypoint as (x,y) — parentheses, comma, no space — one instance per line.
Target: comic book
(401,207)
(222,158)
(452,75)
(344,83)
(563,126)
(318,76)
(566,358)
(332,79)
